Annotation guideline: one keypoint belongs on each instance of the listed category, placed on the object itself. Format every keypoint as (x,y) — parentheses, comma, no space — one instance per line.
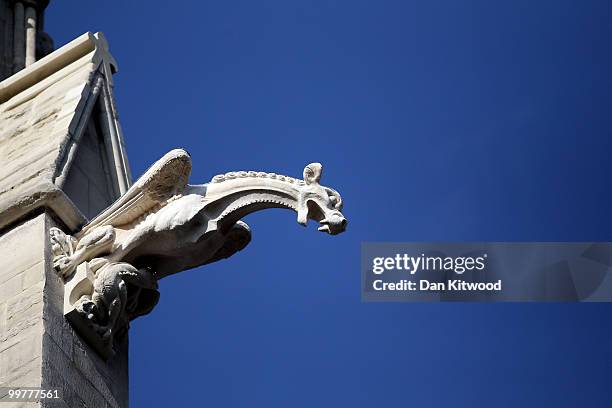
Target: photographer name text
(425,285)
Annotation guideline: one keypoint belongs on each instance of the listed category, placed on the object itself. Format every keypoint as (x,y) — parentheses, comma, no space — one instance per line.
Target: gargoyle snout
(334,224)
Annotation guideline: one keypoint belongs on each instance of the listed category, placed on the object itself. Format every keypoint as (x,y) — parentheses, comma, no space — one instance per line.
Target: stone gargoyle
(163,225)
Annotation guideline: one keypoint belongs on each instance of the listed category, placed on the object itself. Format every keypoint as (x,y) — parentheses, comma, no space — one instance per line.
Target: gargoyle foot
(236,239)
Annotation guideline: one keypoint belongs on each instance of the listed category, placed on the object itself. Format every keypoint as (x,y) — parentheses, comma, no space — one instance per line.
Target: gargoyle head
(319,203)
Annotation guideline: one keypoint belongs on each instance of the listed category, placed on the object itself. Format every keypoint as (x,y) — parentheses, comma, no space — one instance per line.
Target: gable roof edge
(54,62)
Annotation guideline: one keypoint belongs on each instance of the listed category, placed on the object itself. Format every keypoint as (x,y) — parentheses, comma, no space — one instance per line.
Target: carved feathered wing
(165,178)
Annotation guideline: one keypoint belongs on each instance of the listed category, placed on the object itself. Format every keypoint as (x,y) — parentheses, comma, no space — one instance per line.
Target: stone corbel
(101,297)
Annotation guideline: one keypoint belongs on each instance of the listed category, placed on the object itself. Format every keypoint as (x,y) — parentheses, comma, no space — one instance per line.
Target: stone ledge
(43,195)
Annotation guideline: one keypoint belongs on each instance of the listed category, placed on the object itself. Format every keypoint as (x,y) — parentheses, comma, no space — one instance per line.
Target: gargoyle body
(162,226)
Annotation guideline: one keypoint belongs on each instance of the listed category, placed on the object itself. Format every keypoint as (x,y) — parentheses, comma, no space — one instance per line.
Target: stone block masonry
(38,347)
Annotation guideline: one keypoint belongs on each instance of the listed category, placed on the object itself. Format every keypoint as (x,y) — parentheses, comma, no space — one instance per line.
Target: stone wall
(22,282)
(38,348)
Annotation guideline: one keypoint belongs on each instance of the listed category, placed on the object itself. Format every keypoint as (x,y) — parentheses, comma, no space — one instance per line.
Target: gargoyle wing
(165,178)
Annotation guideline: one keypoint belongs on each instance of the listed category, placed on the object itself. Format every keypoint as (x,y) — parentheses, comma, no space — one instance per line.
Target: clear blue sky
(436,120)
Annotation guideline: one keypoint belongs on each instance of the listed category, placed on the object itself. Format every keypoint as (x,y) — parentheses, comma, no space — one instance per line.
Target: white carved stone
(163,225)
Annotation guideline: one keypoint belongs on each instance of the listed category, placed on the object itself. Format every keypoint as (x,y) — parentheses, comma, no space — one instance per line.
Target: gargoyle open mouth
(333,225)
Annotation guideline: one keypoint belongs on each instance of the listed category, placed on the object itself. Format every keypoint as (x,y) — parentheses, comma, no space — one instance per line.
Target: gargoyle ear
(312,173)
